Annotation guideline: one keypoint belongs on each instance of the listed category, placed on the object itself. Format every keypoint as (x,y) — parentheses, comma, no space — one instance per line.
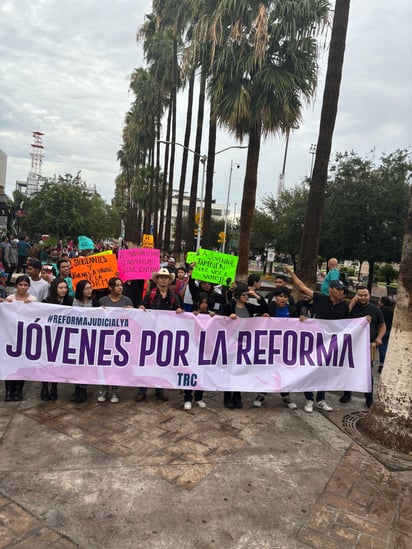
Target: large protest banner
(97,269)
(138,263)
(215,267)
(134,347)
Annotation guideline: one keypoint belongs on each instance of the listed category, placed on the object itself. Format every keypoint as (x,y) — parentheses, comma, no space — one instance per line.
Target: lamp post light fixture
(312,151)
(227,203)
(203,160)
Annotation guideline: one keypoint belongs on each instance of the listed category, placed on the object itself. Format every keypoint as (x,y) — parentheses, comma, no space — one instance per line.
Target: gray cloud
(65,70)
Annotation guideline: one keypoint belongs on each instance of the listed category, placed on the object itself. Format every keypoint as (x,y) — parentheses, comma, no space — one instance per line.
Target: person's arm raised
(299,283)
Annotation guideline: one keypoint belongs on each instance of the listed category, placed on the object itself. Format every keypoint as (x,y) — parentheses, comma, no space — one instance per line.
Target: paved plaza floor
(151,475)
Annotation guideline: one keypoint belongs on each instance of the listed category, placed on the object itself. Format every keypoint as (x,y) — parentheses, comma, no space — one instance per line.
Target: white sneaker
(114,397)
(323,405)
(309,406)
(201,403)
(102,395)
(257,403)
(287,402)
(187,405)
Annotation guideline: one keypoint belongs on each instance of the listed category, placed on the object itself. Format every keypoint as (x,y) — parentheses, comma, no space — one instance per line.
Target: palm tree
(183,169)
(265,61)
(311,230)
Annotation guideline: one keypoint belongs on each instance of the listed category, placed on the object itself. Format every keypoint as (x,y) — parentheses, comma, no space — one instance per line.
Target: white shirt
(39,288)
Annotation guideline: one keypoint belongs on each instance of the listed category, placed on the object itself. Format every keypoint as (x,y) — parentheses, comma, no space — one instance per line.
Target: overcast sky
(65,67)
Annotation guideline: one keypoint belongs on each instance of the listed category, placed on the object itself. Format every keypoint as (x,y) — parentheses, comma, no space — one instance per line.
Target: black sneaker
(369,401)
(345,398)
(228,404)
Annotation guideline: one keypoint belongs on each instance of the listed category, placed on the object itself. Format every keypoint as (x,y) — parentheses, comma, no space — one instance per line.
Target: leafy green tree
(365,207)
(288,212)
(263,230)
(387,273)
(65,207)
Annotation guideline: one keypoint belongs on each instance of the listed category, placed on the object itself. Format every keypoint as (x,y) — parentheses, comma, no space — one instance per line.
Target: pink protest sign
(138,263)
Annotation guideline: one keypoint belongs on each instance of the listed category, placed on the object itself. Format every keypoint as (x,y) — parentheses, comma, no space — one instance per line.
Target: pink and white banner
(133,347)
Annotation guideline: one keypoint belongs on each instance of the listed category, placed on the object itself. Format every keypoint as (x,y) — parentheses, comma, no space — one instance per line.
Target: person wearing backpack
(162,298)
(333,274)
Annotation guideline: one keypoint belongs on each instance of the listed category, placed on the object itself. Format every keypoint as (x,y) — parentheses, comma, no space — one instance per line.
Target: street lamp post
(227,203)
(312,151)
(203,160)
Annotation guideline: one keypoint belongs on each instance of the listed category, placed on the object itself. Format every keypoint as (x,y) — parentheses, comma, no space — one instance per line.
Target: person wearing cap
(279,307)
(333,274)
(360,307)
(328,307)
(171,265)
(38,286)
(161,298)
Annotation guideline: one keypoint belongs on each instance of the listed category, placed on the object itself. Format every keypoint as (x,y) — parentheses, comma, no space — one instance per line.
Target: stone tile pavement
(151,475)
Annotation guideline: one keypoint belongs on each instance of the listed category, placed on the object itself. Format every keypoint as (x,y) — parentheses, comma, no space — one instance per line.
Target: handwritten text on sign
(138,263)
(97,269)
(215,267)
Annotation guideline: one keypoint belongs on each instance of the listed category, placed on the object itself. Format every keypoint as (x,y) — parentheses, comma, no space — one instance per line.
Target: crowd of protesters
(44,276)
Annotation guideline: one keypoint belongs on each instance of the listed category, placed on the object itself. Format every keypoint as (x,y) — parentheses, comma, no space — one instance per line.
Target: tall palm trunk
(311,230)
(182,182)
(195,173)
(149,208)
(157,186)
(173,96)
(207,217)
(165,176)
(248,202)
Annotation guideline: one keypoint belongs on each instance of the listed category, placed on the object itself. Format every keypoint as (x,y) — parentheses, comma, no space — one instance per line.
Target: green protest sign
(215,267)
(191,257)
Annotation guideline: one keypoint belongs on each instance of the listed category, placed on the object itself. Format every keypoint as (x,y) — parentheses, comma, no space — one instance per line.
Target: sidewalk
(152,475)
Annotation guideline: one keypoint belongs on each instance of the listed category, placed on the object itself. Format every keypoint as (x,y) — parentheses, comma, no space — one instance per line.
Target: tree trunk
(389,421)
(207,217)
(312,224)
(248,203)
(173,96)
(371,275)
(190,241)
(157,187)
(165,176)
(182,183)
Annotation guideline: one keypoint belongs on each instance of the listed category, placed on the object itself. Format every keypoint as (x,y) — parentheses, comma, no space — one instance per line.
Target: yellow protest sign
(147,241)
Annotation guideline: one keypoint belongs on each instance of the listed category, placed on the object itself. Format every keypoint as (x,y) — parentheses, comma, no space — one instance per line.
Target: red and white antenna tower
(37,153)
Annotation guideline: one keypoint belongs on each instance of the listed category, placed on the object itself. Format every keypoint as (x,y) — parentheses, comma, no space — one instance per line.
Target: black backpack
(343,278)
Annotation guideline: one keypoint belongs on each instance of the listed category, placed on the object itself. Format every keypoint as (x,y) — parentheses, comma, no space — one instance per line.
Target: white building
(218,210)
